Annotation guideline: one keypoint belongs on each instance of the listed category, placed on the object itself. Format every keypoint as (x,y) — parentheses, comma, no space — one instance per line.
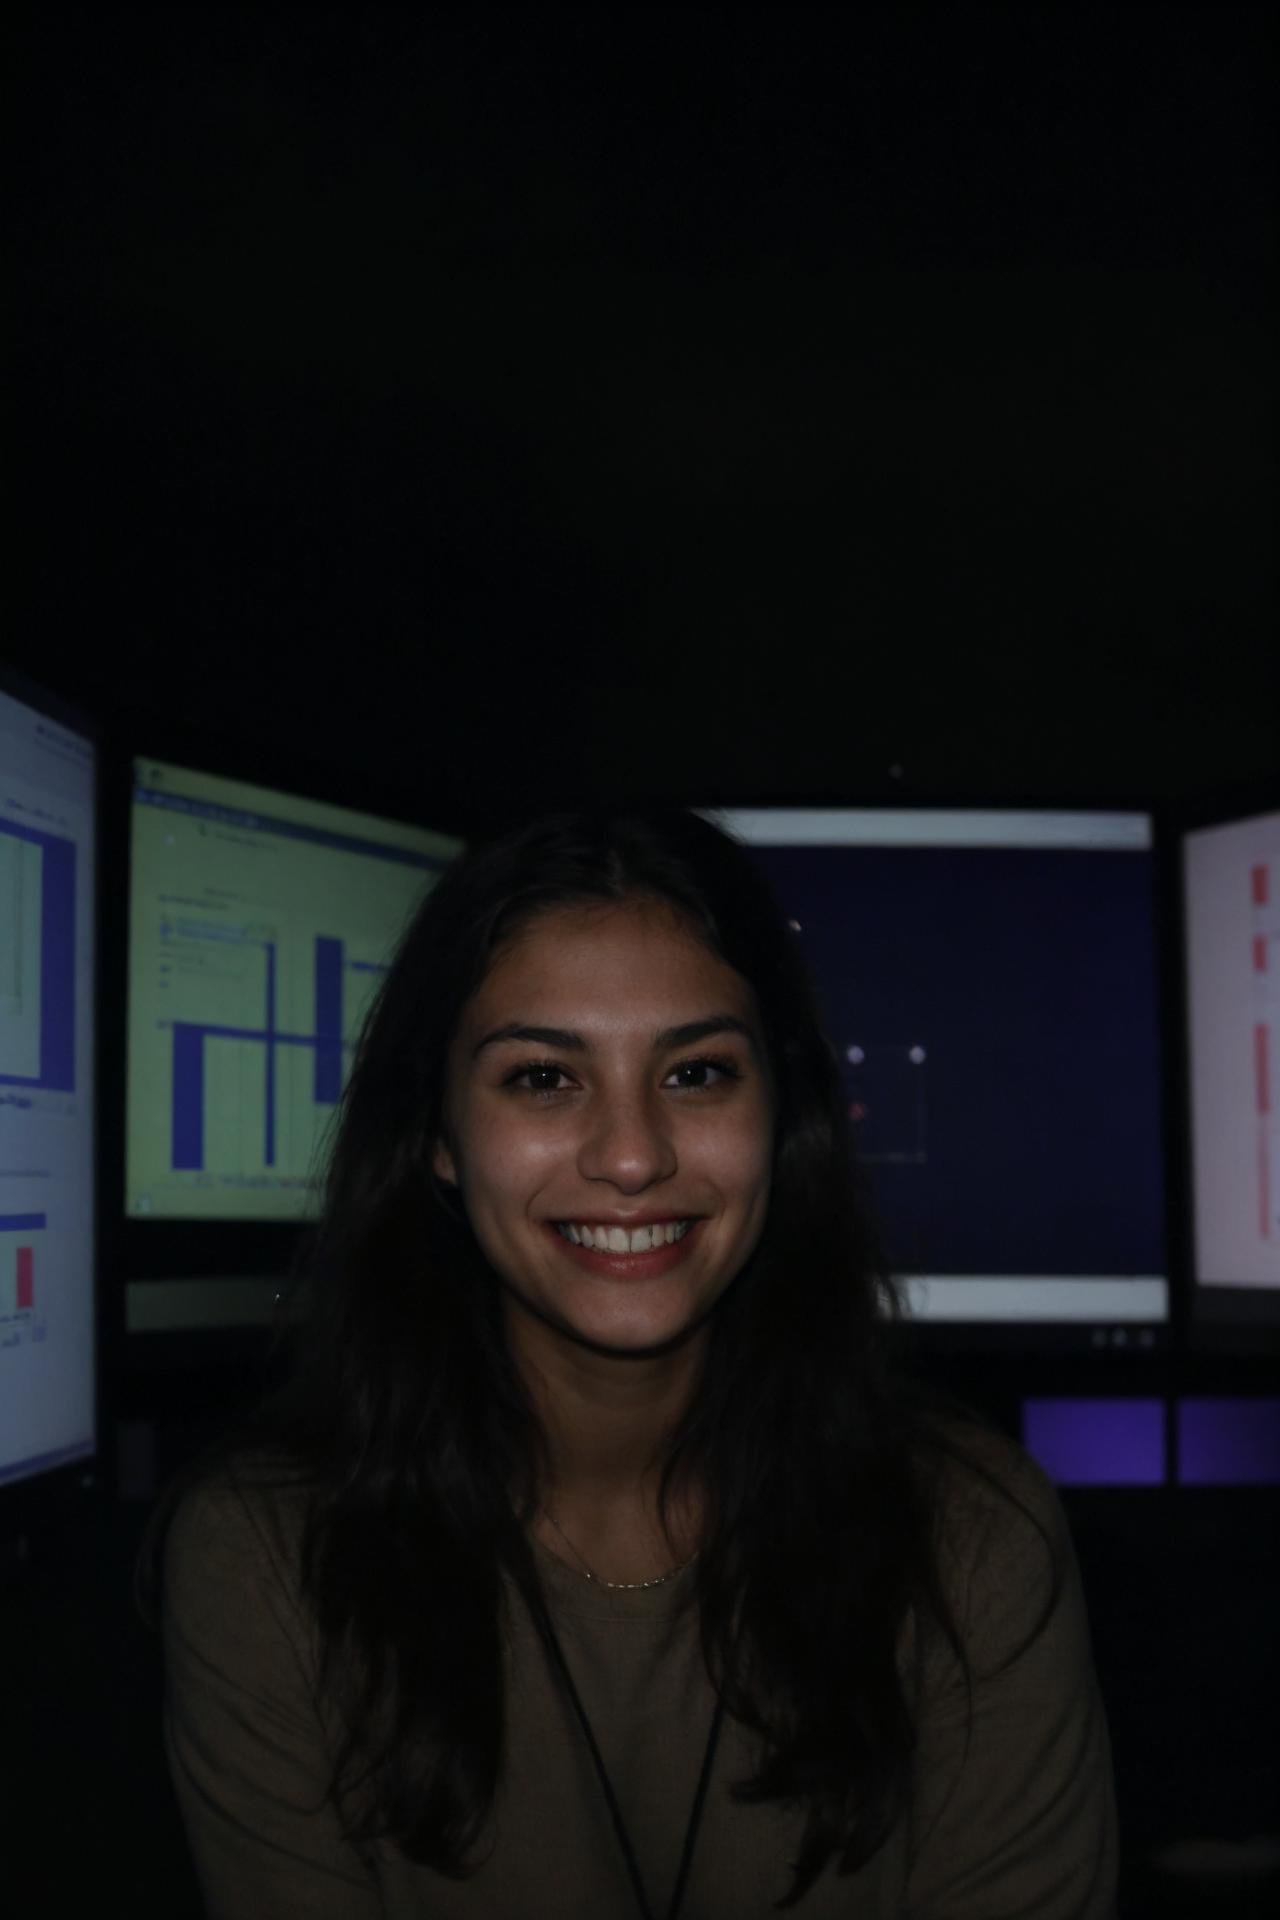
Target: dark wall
(751,401)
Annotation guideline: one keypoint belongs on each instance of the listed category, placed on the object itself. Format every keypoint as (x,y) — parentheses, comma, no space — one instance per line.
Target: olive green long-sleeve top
(1022,1826)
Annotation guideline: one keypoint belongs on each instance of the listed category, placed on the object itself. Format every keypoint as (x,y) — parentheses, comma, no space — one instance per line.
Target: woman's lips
(628,1266)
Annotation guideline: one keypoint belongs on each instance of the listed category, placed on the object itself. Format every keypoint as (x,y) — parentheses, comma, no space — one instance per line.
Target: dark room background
(838,406)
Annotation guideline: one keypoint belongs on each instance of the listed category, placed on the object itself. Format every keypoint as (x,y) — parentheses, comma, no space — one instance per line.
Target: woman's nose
(628,1141)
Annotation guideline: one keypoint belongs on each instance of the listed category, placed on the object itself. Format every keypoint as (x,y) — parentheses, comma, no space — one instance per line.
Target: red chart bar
(1258,876)
(26,1277)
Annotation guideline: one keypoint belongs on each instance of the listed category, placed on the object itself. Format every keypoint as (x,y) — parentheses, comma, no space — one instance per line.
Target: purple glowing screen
(1097,1443)
(1229,1443)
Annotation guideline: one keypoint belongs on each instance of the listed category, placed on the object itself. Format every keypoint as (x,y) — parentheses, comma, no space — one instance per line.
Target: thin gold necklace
(619,1586)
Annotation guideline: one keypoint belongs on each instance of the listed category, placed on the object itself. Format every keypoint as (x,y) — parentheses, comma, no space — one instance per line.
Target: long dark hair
(403,1415)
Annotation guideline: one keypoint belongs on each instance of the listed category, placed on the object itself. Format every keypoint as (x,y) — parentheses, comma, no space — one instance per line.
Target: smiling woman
(565,1186)
(596,1556)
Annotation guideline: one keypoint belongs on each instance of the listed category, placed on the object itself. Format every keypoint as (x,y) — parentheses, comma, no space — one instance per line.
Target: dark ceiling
(698,401)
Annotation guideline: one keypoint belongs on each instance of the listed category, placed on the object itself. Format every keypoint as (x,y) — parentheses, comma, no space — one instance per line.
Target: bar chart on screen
(38,923)
(48,1009)
(1232,927)
(256,1041)
(22,1294)
(262,924)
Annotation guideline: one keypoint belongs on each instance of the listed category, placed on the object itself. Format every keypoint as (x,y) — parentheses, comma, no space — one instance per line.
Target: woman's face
(611,1118)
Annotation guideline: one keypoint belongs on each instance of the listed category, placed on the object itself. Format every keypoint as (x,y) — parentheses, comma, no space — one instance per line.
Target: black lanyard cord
(695,1818)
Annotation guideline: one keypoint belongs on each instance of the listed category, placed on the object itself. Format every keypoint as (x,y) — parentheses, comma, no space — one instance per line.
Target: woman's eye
(534,1079)
(537,1075)
(722,1071)
(703,1067)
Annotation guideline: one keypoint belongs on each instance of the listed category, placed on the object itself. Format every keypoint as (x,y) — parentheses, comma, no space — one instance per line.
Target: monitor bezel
(147,1251)
(45,1500)
(1240,1325)
(1047,1346)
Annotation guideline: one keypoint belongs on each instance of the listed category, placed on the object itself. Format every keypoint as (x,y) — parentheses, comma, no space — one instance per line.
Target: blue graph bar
(188,1095)
(57,962)
(23,1222)
(328,1062)
(269,1144)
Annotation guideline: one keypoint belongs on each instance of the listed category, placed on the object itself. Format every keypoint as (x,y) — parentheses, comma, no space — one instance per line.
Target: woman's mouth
(635,1253)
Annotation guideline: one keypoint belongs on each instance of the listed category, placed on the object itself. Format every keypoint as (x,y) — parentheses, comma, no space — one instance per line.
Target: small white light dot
(916,1056)
(794,926)
(855,1056)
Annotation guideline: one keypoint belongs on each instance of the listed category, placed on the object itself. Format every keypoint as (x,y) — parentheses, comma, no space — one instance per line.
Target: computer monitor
(1229,862)
(989,982)
(49,1362)
(264,905)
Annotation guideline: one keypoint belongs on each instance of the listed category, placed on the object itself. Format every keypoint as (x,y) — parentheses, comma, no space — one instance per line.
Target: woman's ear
(442,1163)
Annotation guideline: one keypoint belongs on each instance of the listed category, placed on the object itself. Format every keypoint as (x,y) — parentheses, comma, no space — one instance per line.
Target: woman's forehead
(628,928)
(602,948)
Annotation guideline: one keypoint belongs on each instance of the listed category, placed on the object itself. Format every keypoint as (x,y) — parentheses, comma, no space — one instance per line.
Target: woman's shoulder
(999,1521)
(242,1517)
(983,1468)
(239,1634)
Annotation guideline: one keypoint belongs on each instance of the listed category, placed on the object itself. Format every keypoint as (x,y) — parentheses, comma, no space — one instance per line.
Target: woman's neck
(623,1541)
(608,1422)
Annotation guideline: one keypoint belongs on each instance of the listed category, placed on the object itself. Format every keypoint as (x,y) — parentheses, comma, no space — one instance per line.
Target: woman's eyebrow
(685,1036)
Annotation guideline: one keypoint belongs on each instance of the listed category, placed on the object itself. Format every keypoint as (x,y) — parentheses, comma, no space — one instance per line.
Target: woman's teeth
(620,1240)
